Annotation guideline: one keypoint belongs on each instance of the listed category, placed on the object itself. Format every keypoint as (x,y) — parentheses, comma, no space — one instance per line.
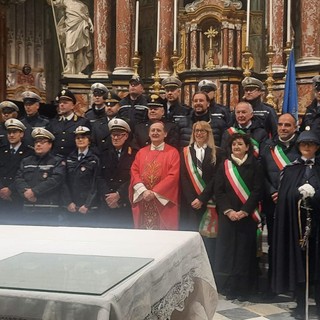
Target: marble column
(231,34)
(124,37)
(225,44)
(277,35)
(3,50)
(166,37)
(238,63)
(310,32)
(102,30)
(193,47)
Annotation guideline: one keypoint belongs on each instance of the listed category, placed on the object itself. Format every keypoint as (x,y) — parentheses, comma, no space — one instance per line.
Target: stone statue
(74,30)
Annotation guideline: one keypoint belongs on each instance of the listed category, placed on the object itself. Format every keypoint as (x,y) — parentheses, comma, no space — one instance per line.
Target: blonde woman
(199,162)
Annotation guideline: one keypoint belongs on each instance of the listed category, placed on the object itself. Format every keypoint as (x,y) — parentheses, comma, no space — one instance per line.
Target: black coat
(288,258)
(236,242)
(209,171)
(93,114)
(101,139)
(311,118)
(63,131)
(176,111)
(81,180)
(35,121)
(44,175)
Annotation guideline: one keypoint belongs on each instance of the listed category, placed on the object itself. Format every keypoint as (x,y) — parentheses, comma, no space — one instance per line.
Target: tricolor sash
(242,191)
(279,157)
(239,186)
(254,142)
(209,223)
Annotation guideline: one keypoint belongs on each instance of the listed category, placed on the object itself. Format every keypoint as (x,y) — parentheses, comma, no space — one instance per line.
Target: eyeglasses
(117,135)
(202,131)
(250,89)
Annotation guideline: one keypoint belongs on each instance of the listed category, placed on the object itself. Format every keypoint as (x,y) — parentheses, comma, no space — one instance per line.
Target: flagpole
(56,27)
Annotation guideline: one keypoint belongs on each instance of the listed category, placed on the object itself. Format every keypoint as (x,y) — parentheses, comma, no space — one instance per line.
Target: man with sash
(277,153)
(245,123)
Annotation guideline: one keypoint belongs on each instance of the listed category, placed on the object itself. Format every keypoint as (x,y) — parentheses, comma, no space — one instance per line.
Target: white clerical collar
(160,147)
(287,142)
(69,117)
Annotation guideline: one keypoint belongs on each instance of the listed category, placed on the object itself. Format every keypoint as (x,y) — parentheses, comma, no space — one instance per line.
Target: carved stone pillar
(124,37)
(3,51)
(102,29)
(193,47)
(225,44)
(231,34)
(310,33)
(238,63)
(277,34)
(166,36)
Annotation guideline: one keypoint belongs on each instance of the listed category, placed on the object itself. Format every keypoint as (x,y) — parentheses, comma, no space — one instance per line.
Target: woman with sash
(238,190)
(199,163)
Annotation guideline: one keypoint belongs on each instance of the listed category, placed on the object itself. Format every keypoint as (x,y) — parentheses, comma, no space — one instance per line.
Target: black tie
(308,164)
(81,156)
(13,151)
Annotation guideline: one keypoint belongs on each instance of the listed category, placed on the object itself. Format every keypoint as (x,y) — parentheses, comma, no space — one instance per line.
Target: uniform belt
(41,206)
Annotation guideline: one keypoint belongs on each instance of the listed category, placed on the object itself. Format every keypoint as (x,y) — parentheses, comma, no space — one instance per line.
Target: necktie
(81,156)
(119,153)
(13,151)
(308,164)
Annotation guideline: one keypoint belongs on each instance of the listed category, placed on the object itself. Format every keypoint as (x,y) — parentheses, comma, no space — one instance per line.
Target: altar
(56,273)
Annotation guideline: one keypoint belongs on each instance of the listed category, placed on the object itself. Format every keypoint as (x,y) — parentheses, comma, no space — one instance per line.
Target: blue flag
(290,100)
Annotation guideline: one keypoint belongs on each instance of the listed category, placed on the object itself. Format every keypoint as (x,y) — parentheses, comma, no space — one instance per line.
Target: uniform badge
(83,169)
(45,175)
(307,128)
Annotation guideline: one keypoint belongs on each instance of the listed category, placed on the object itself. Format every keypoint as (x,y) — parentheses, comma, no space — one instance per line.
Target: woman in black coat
(199,163)
(238,191)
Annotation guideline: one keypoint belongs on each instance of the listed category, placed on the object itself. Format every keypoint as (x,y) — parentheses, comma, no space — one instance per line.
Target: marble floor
(259,309)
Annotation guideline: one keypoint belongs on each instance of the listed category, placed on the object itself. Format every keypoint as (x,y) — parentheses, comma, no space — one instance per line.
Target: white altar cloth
(178,284)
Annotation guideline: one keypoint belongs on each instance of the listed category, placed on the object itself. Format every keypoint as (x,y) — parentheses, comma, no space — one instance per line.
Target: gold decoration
(211,34)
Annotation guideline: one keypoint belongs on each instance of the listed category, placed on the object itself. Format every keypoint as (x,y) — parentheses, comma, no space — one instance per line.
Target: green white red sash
(209,223)
(279,157)
(254,142)
(239,186)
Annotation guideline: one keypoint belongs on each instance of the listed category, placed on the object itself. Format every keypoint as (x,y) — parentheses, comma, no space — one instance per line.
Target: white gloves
(307,191)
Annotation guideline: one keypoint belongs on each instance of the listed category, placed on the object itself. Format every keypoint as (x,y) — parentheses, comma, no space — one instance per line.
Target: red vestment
(159,171)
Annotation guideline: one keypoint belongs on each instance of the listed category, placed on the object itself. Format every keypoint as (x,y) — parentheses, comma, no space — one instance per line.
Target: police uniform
(175,110)
(100,130)
(141,134)
(261,111)
(134,110)
(311,118)
(115,177)
(34,121)
(216,109)
(95,112)
(44,175)
(6,106)
(63,128)
(80,185)
(10,159)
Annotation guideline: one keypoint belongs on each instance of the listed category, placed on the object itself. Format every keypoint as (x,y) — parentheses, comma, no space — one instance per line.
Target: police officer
(63,127)
(97,109)
(115,177)
(156,113)
(101,139)
(174,109)
(311,118)
(39,181)
(134,105)
(8,110)
(33,119)
(80,187)
(253,89)
(10,157)
(219,110)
